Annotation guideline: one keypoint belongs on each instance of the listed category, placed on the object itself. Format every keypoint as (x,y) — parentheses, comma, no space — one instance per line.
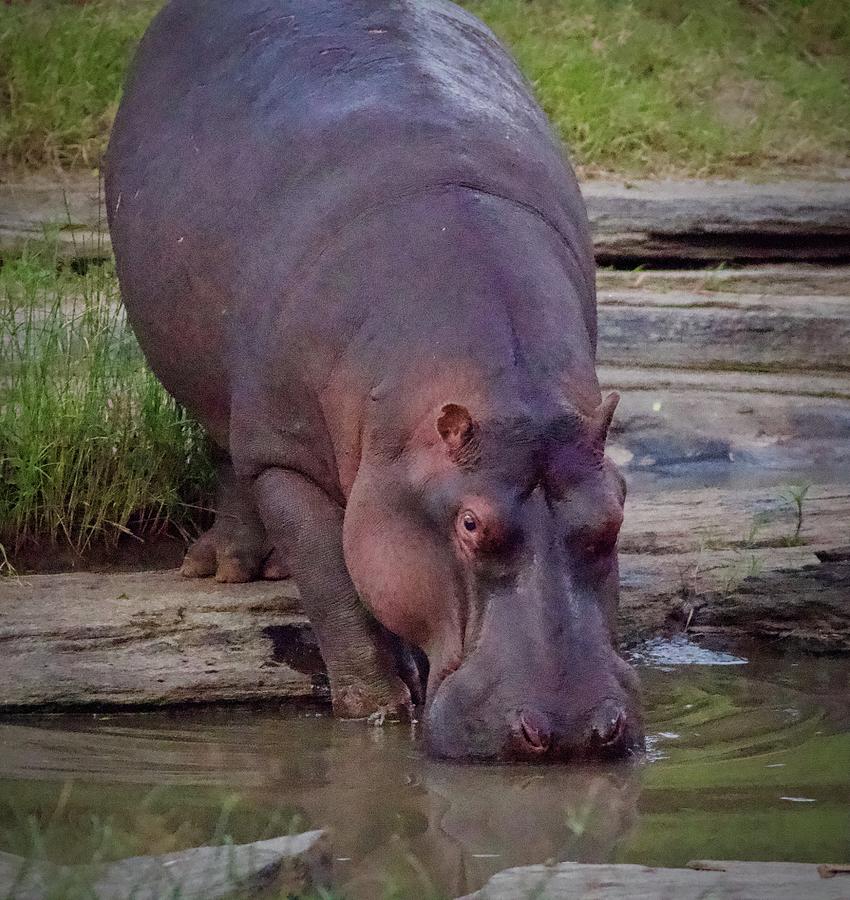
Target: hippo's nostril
(607,724)
(533,731)
(531,735)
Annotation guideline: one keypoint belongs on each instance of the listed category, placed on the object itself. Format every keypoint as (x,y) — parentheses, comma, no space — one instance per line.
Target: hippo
(350,245)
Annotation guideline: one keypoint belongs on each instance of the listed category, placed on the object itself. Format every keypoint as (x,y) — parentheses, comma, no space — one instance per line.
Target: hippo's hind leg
(368,673)
(235,549)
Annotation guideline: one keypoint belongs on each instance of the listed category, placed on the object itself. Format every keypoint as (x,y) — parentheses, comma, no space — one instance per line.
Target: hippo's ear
(602,417)
(456,429)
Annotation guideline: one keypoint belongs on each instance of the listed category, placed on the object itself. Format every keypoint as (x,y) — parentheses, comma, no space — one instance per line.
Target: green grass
(647,86)
(660,85)
(62,65)
(91,446)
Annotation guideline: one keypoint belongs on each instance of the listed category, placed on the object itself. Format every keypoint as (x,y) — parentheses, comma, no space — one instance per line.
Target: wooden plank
(724,381)
(286,865)
(775,597)
(69,208)
(677,329)
(719,220)
(682,521)
(727,880)
(804,306)
(784,278)
(664,219)
(720,206)
(152,638)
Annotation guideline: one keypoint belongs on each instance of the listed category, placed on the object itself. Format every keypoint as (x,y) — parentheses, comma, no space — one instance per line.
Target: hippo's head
(491,544)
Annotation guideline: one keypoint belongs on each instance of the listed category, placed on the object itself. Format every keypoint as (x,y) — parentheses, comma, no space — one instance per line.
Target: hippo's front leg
(305,524)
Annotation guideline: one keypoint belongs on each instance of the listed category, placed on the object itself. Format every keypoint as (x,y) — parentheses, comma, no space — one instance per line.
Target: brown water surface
(746,761)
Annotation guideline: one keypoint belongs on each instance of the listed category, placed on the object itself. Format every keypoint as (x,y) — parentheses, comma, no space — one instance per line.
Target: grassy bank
(90,444)
(654,86)
(61,69)
(648,86)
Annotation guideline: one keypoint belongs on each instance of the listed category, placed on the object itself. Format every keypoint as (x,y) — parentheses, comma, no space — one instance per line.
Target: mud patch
(296,647)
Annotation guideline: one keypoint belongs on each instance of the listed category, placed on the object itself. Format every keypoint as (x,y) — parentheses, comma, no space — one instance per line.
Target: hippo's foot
(385,701)
(388,691)
(236,548)
(232,559)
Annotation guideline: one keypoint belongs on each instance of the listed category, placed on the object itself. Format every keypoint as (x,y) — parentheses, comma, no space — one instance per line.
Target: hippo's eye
(469,522)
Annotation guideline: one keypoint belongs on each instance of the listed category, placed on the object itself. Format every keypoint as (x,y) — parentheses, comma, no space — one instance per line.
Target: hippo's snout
(466,720)
(606,732)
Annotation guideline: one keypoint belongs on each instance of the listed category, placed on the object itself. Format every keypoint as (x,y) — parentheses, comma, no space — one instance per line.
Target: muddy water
(747,760)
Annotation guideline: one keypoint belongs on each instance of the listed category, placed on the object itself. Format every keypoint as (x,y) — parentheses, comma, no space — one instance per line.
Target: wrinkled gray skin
(349,244)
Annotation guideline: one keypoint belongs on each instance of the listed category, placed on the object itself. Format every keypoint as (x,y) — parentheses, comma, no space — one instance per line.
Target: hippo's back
(251,132)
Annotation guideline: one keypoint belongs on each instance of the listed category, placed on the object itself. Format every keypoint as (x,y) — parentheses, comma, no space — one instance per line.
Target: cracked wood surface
(729,330)
(152,638)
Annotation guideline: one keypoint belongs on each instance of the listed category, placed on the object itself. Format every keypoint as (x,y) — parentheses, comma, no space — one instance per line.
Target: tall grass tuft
(91,446)
(61,69)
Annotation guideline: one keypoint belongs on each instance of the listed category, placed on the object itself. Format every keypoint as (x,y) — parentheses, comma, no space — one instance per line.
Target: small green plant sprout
(711,539)
(795,495)
(743,566)
(760,520)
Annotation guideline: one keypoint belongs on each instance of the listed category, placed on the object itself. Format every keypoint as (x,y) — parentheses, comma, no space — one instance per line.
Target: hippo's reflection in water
(524,818)
(396,817)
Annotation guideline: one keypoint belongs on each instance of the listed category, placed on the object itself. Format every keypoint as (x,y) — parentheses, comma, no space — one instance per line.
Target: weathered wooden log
(717,562)
(286,864)
(794,386)
(781,598)
(800,279)
(807,606)
(68,210)
(734,519)
(731,565)
(631,221)
(708,878)
(152,638)
(737,331)
(719,220)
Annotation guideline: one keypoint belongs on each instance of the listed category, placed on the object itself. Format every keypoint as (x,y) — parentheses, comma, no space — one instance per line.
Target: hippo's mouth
(477,716)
